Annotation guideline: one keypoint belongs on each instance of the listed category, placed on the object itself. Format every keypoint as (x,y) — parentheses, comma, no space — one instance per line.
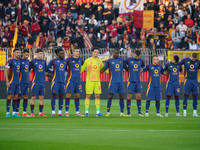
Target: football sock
(25,104)
(158,106)
(14,105)
(109,103)
(32,108)
(185,101)
(18,104)
(87,104)
(67,102)
(121,103)
(177,103)
(139,105)
(147,106)
(167,103)
(8,105)
(77,104)
(40,109)
(195,103)
(97,103)
(53,101)
(128,105)
(60,103)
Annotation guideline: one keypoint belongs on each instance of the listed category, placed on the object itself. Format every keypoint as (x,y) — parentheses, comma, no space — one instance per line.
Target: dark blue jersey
(59,68)
(134,66)
(115,69)
(24,71)
(14,71)
(191,68)
(173,73)
(74,68)
(39,68)
(154,74)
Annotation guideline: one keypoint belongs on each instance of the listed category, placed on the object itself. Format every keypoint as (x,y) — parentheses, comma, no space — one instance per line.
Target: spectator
(79,40)
(40,41)
(44,27)
(30,10)
(2,11)
(176,37)
(9,10)
(113,44)
(134,44)
(53,27)
(34,6)
(73,9)
(184,44)
(35,28)
(25,28)
(108,13)
(185,16)
(13,17)
(189,21)
(193,46)
(26,16)
(30,41)
(7,35)
(61,28)
(182,28)
(59,42)
(150,5)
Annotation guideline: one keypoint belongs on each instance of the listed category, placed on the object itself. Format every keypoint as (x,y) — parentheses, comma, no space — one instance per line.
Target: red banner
(138,19)
(88,1)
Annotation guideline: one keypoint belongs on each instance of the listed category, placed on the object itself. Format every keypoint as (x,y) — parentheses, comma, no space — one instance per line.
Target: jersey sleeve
(107,64)
(182,61)
(50,64)
(124,64)
(9,64)
(84,66)
(166,67)
(142,62)
(146,68)
(102,66)
(199,65)
(47,68)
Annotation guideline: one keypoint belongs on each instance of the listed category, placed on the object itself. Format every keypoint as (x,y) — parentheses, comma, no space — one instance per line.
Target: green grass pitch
(100,133)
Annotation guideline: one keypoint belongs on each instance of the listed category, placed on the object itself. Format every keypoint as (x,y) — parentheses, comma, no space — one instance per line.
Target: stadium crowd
(60,23)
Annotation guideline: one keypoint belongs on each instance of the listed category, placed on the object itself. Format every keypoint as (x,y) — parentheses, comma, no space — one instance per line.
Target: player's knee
(138,96)
(61,95)
(69,95)
(176,97)
(186,95)
(25,96)
(15,97)
(121,96)
(97,96)
(54,96)
(168,97)
(194,95)
(110,96)
(77,95)
(158,101)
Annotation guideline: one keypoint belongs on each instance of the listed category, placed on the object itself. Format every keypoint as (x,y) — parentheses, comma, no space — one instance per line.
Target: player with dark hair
(173,85)
(12,74)
(134,85)
(74,80)
(93,84)
(116,84)
(38,84)
(192,65)
(58,80)
(24,82)
(154,87)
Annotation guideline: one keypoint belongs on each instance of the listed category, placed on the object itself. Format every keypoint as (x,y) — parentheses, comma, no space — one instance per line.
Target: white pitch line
(20,124)
(109,130)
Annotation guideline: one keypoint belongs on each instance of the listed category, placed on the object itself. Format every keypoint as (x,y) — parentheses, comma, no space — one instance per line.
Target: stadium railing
(104,54)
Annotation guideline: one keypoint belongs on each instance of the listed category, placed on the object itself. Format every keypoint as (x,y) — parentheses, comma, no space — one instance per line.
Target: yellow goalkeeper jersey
(93,66)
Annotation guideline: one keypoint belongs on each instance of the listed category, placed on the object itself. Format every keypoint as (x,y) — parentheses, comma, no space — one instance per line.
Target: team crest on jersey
(54,91)
(113,62)
(22,62)
(64,62)
(177,65)
(120,62)
(42,62)
(195,63)
(33,93)
(110,90)
(10,91)
(158,67)
(139,62)
(15,63)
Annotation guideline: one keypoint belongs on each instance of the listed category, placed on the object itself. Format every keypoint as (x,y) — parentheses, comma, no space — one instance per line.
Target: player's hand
(141,70)
(8,84)
(169,61)
(182,72)
(165,73)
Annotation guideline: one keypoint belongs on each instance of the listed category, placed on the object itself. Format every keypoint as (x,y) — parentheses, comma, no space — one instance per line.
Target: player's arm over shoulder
(183,61)
(105,67)
(146,68)
(84,66)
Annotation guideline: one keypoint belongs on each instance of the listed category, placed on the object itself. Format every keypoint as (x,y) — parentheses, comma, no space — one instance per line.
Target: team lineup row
(17,81)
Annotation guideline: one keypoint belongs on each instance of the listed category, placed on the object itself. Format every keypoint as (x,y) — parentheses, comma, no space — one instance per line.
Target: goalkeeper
(93,84)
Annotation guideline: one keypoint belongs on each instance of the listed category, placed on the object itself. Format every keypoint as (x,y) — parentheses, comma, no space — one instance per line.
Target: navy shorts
(173,89)
(114,88)
(134,87)
(73,87)
(14,89)
(57,87)
(24,89)
(191,86)
(154,93)
(38,89)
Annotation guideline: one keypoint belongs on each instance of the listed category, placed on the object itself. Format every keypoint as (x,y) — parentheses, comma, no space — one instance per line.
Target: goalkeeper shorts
(93,86)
